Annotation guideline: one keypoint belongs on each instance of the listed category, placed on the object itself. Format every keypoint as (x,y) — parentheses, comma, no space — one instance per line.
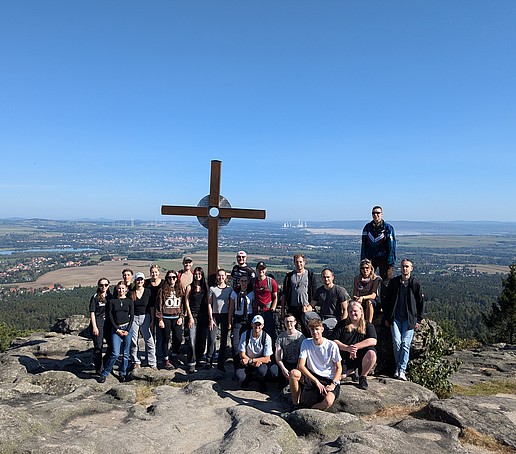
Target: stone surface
(491,415)
(50,402)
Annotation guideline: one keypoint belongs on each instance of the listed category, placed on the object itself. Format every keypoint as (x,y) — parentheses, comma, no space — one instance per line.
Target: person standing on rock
(169,314)
(299,288)
(143,322)
(121,314)
(185,276)
(404,310)
(100,330)
(379,244)
(320,366)
(196,302)
(356,339)
(218,308)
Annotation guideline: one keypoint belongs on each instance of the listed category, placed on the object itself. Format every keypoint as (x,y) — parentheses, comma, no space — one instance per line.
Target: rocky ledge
(50,402)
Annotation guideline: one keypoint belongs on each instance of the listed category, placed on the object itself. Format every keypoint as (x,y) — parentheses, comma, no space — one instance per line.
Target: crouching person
(255,355)
(356,339)
(319,367)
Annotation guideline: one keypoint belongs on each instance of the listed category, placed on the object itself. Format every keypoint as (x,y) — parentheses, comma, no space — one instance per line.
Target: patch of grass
(395,412)
(144,394)
(487,388)
(475,438)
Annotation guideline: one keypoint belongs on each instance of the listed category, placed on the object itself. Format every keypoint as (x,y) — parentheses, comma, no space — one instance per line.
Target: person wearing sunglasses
(169,315)
(242,268)
(99,328)
(379,244)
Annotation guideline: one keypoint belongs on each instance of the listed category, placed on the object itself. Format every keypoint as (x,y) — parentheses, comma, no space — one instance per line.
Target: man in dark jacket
(404,310)
(379,244)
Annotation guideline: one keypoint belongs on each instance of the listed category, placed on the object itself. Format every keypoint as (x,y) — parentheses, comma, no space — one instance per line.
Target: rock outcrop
(50,402)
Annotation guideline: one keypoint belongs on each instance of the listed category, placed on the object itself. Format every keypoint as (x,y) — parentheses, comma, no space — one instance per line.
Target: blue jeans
(401,341)
(120,344)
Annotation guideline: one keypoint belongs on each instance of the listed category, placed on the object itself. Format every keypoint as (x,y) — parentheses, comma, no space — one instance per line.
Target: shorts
(325,381)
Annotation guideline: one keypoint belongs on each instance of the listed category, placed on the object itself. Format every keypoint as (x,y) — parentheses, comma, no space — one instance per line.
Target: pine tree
(502,319)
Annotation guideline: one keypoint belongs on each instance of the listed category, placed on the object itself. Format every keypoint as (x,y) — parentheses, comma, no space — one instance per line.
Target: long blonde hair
(361,328)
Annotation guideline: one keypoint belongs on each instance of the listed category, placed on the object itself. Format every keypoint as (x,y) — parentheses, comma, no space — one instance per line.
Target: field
(87,276)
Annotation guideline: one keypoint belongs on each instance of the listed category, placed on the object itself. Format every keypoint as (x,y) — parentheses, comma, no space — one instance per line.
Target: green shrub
(432,370)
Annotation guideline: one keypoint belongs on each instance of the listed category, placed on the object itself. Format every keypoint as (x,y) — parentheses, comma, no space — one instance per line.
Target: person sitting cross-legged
(319,365)
(255,355)
(356,339)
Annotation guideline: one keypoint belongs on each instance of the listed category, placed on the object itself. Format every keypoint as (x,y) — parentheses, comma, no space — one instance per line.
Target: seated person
(320,366)
(288,346)
(356,339)
(255,355)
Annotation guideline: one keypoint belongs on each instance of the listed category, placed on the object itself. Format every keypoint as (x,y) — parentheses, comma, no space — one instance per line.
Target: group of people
(328,334)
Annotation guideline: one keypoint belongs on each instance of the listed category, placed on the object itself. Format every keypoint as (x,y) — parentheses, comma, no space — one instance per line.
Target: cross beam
(218,209)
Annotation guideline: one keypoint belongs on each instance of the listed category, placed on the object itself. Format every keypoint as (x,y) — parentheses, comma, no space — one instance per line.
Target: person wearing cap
(255,355)
(186,275)
(142,322)
(240,269)
(265,298)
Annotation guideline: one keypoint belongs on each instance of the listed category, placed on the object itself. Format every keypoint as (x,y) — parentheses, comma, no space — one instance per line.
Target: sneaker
(168,365)
(192,370)
(122,379)
(397,374)
(101,379)
(362,382)
(402,375)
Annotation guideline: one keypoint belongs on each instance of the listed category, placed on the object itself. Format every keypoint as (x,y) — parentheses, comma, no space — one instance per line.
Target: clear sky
(318,110)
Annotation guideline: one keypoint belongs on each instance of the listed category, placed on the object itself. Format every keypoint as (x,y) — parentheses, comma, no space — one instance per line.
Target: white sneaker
(402,375)
(397,374)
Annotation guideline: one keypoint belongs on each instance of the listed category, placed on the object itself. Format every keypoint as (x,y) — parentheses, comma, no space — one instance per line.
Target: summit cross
(213,211)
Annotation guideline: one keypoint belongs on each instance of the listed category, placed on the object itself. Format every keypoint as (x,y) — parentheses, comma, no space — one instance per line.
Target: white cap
(139,276)
(258,319)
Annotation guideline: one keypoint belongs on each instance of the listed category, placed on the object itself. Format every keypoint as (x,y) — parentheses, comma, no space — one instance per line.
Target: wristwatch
(250,361)
(335,382)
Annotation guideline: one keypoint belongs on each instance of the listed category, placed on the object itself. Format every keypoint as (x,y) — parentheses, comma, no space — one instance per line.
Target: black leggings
(177,335)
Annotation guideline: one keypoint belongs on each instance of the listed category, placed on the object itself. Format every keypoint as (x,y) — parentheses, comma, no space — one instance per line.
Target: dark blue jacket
(378,242)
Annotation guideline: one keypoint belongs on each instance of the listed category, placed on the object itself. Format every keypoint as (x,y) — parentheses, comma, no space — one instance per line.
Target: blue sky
(317,109)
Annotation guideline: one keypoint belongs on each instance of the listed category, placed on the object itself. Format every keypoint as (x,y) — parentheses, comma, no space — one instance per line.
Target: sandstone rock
(383,440)
(491,415)
(322,425)
(75,324)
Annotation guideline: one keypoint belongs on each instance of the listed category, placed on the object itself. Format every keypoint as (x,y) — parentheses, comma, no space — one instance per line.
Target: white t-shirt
(321,359)
(220,299)
(255,348)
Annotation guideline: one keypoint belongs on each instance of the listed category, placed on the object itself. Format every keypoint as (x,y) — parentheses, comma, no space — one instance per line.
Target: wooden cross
(213,211)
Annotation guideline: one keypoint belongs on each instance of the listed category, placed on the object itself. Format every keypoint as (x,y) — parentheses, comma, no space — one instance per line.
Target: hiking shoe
(402,375)
(101,379)
(362,382)
(355,377)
